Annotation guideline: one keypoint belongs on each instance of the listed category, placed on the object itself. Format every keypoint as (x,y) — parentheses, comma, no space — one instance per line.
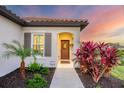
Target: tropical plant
(16,49)
(97,59)
(85,54)
(34,67)
(36,82)
(34,53)
(44,70)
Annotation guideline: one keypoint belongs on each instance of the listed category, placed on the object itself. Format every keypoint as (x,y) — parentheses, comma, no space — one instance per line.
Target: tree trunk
(22,69)
(107,72)
(96,79)
(83,68)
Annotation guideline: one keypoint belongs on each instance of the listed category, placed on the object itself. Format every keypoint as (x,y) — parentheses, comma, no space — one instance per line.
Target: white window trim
(32,37)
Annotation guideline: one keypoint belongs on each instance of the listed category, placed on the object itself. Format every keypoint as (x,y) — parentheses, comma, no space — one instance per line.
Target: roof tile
(46,19)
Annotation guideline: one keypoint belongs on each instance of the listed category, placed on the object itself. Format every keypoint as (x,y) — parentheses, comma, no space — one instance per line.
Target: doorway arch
(65,47)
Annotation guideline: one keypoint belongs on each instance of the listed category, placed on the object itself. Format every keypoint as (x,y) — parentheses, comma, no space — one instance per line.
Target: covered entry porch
(65,49)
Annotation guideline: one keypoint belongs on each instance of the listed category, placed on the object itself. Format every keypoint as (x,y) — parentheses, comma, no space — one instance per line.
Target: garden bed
(12,80)
(104,82)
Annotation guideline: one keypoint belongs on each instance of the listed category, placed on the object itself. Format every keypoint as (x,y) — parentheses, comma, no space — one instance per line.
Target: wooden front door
(65,49)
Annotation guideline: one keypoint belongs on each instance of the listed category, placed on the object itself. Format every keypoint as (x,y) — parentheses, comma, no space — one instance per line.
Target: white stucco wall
(8,31)
(52,61)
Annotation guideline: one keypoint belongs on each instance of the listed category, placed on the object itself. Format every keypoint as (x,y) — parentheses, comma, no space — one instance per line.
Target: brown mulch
(13,80)
(104,82)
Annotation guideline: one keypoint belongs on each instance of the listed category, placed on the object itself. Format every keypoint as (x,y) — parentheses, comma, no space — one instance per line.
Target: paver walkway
(66,78)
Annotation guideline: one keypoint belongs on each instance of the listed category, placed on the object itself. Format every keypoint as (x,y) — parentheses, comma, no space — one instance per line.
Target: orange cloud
(106,22)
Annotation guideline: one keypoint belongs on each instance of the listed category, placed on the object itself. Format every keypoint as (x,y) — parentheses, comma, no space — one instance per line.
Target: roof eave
(11,16)
(82,25)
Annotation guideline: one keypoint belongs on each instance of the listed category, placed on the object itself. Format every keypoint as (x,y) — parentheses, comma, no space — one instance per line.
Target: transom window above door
(38,42)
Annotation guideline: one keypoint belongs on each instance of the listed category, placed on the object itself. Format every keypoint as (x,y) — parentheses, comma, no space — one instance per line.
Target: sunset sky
(106,23)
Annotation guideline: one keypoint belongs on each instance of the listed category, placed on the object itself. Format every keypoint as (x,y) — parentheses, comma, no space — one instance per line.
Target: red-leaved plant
(97,59)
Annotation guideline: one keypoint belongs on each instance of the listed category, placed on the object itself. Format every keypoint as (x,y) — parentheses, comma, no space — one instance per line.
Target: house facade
(56,39)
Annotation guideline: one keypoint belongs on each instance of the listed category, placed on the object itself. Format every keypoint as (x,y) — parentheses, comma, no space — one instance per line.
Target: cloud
(104,21)
(72,11)
(118,32)
(24,10)
(64,12)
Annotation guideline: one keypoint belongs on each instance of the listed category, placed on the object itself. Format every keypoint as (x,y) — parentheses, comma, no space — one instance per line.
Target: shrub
(34,67)
(97,59)
(121,56)
(44,70)
(121,53)
(122,62)
(98,86)
(36,82)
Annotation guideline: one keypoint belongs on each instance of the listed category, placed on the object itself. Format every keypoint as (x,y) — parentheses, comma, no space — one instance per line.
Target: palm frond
(16,49)
(17,43)
(9,46)
(8,54)
(27,52)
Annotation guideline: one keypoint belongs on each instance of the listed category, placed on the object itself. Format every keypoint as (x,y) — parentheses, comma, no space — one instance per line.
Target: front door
(65,49)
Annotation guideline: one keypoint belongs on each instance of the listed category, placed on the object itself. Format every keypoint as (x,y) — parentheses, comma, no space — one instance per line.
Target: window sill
(39,57)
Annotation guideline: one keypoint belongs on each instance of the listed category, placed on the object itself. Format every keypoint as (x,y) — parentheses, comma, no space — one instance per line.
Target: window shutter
(27,40)
(48,44)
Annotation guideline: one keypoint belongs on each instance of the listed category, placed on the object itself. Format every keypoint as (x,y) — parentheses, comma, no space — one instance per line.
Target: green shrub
(121,53)
(36,82)
(98,86)
(121,56)
(122,62)
(34,67)
(44,70)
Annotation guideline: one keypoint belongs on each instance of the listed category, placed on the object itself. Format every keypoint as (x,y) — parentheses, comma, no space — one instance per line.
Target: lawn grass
(118,72)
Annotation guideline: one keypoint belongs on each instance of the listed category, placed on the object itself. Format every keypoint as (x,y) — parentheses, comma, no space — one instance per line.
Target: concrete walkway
(66,78)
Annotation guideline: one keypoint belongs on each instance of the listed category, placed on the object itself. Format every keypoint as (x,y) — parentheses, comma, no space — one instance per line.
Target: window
(38,42)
